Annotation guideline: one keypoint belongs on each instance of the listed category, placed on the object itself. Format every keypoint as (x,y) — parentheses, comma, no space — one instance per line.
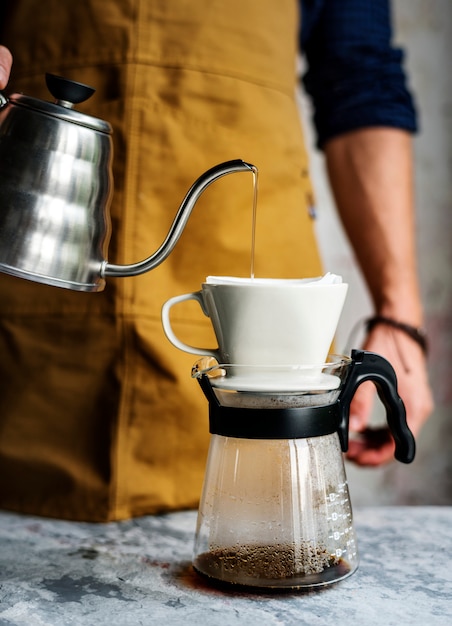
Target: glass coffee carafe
(275,510)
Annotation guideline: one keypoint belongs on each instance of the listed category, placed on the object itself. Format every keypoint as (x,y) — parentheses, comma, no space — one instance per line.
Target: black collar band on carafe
(265,423)
(315,421)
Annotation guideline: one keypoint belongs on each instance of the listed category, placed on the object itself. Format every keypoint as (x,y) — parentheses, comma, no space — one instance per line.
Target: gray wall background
(424,29)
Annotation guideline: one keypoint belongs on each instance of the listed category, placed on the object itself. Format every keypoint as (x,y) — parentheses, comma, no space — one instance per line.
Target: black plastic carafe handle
(369,366)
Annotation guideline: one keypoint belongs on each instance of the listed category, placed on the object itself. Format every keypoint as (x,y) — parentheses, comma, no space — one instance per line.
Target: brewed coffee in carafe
(275,510)
(275,513)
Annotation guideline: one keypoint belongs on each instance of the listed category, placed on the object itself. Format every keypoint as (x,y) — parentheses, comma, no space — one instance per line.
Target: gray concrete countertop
(138,572)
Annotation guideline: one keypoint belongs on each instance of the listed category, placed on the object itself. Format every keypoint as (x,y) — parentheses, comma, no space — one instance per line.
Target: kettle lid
(66,93)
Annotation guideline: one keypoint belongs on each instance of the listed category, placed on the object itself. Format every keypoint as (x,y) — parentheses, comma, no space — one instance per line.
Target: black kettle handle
(370,366)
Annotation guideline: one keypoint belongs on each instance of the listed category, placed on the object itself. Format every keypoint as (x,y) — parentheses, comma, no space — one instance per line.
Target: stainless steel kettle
(56,186)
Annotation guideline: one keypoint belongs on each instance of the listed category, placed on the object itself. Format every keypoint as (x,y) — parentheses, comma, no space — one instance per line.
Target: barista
(99,417)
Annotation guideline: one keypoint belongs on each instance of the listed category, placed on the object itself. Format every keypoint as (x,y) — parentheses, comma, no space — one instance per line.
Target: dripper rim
(334,360)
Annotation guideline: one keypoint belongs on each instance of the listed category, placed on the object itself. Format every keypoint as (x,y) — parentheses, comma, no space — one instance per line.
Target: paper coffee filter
(327,279)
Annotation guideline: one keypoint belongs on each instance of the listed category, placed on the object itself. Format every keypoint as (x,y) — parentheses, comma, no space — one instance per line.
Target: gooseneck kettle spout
(179,221)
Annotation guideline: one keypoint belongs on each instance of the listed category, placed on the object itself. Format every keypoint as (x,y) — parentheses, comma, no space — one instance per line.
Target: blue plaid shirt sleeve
(354,75)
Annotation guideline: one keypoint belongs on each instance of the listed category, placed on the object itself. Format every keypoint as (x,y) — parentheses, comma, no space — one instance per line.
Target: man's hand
(375,446)
(6,61)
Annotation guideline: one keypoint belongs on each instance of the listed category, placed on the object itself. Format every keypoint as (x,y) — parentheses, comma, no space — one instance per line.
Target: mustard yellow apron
(99,417)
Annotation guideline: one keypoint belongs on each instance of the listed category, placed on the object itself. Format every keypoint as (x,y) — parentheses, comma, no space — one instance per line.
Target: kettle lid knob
(68,92)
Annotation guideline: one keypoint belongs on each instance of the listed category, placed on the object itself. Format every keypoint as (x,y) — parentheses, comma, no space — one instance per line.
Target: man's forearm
(372,180)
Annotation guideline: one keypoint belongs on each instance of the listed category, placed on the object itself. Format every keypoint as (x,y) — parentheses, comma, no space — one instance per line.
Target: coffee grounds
(259,565)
